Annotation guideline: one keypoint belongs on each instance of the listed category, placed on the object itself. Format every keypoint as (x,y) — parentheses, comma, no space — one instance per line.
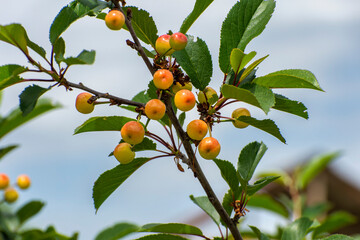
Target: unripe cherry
(123,153)
(23,181)
(184,100)
(155,109)
(82,104)
(10,195)
(4,180)
(210,93)
(237,113)
(163,79)
(162,45)
(132,132)
(178,41)
(114,20)
(177,87)
(209,148)
(197,129)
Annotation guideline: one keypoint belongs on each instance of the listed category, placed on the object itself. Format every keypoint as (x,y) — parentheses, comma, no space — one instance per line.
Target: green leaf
(338,237)
(110,180)
(15,118)
(228,199)
(228,172)
(39,50)
(112,123)
(195,60)
(259,184)
(245,21)
(151,91)
(249,158)
(161,237)
(290,106)
(14,34)
(144,25)
(267,202)
(6,150)
(205,204)
(29,98)
(314,167)
(145,145)
(297,230)
(314,211)
(236,58)
(259,234)
(85,57)
(199,8)
(59,50)
(290,78)
(334,222)
(29,210)
(182,117)
(74,11)
(255,95)
(9,75)
(267,125)
(117,231)
(175,228)
(251,67)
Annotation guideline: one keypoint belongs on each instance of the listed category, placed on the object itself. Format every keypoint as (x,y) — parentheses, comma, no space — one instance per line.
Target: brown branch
(115,99)
(135,38)
(193,163)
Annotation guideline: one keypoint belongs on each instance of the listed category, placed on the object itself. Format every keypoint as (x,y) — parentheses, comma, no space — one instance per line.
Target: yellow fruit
(82,104)
(211,96)
(114,20)
(184,100)
(197,129)
(132,132)
(162,45)
(10,195)
(237,113)
(163,79)
(155,109)
(209,148)
(177,87)
(23,181)
(123,153)
(4,181)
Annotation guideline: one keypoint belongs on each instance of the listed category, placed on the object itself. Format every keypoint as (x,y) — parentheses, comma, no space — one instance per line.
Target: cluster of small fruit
(10,193)
(184,99)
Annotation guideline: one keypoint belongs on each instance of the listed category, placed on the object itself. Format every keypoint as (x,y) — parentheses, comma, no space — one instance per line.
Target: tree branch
(114,99)
(193,163)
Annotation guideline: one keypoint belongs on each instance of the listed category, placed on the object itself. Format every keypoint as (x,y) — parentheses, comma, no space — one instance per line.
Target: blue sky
(319,35)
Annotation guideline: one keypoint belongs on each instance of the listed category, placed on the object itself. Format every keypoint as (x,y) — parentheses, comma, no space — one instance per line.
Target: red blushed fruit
(82,104)
(155,109)
(178,41)
(114,20)
(184,100)
(132,132)
(23,181)
(162,45)
(163,79)
(209,148)
(197,129)
(4,181)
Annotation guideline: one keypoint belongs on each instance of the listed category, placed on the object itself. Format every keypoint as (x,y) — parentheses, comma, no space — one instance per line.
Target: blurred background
(319,35)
